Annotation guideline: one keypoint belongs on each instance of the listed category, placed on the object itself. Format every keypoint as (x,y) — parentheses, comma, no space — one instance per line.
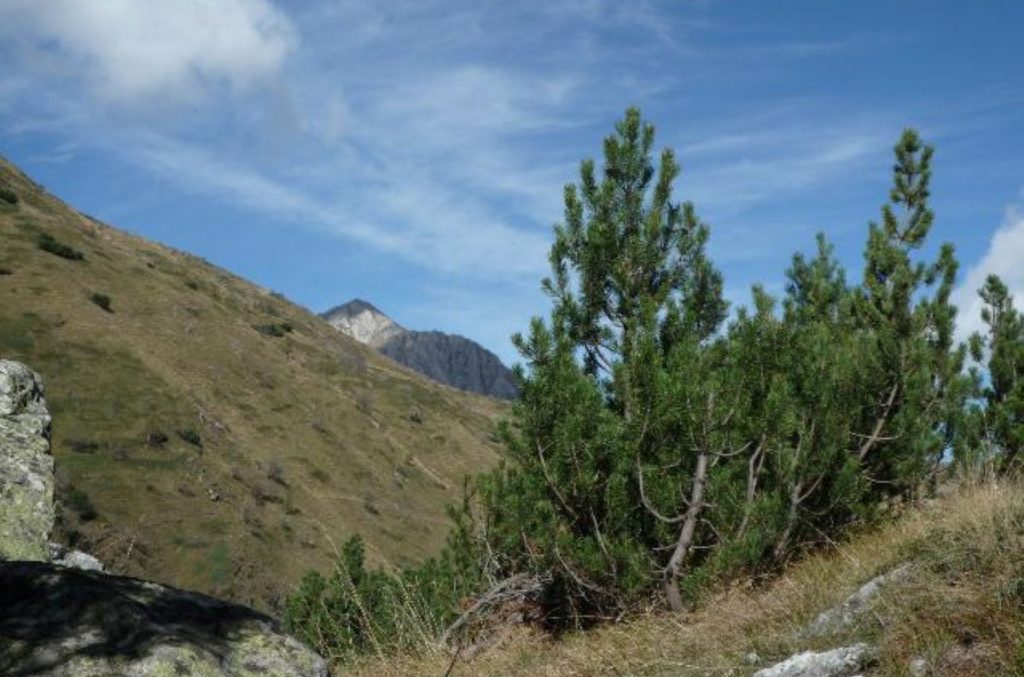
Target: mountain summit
(364,322)
(448,358)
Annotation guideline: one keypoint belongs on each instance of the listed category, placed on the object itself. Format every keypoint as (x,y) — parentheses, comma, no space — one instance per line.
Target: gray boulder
(59,622)
(26,466)
(856,604)
(74,558)
(847,660)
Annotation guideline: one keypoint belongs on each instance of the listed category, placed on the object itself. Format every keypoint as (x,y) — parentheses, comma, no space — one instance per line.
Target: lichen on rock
(58,621)
(26,466)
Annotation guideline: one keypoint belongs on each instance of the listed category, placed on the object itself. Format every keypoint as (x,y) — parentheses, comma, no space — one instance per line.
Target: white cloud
(132,51)
(746,168)
(1005,258)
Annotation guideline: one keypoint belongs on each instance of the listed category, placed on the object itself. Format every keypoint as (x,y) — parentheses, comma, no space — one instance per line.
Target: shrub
(7,195)
(275,329)
(48,243)
(101,300)
(191,436)
(80,502)
(275,472)
(156,438)
(5,271)
(192,284)
(83,446)
(355,611)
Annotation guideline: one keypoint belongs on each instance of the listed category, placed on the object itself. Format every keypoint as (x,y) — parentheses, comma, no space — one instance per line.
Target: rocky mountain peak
(364,322)
(447,358)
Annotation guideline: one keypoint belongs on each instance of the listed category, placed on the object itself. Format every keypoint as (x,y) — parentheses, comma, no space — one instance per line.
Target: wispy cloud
(471,242)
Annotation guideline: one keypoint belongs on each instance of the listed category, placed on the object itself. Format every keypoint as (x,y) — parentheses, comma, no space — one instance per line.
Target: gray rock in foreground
(74,558)
(58,622)
(847,660)
(26,466)
(856,604)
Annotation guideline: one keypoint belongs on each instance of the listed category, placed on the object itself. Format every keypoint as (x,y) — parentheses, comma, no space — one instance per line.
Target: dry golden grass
(307,436)
(961,608)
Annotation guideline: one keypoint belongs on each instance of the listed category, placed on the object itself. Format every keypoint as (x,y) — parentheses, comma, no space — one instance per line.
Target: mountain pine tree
(622,405)
(909,367)
(1003,345)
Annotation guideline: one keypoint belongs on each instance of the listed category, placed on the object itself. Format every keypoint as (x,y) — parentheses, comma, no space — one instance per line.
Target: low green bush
(80,502)
(355,611)
(7,195)
(102,300)
(275,329)
(48,243)
(156,438)
(191,436)
(83,446)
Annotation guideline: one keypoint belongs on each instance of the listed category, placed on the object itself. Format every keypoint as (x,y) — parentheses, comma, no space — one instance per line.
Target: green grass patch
(18,334)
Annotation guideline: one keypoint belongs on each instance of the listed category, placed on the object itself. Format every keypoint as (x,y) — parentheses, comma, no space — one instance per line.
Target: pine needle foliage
(999,427)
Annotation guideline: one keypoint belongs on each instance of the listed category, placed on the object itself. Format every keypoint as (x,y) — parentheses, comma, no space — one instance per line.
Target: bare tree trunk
(670,576)
(794,506)
(876,434)
(754,467)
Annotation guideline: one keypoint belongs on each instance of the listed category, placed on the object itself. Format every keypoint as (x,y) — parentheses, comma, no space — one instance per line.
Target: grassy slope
(306,438)
(961,610)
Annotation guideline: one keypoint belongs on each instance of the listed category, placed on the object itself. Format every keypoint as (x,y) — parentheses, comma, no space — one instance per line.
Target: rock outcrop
(856,604)
(57,621)
(26,466)
(447,358)
(847,660)
(60,615)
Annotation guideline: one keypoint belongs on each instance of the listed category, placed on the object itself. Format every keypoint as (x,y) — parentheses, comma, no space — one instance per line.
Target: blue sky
(413,153)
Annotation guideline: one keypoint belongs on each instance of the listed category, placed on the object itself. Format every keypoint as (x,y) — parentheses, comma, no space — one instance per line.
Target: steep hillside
(447,358)
(211,434)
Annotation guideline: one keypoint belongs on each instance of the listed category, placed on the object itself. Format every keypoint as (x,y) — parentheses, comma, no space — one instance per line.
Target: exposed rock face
(847,660)
(26,466)
(66,617)
(447,358)
(363,322)
(454,360)
(56,621)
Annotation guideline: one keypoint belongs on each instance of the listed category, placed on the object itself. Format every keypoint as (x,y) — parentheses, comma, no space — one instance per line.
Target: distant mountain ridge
(447,358)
